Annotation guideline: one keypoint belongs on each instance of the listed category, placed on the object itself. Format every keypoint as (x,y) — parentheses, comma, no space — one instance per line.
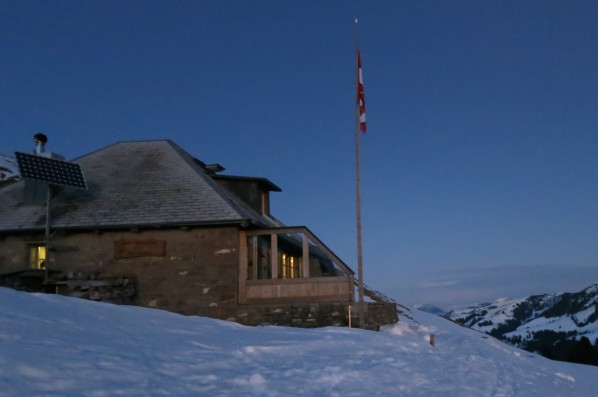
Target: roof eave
(243,223)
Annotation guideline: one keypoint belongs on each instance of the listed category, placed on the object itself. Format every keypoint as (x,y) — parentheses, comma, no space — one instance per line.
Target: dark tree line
(577,351)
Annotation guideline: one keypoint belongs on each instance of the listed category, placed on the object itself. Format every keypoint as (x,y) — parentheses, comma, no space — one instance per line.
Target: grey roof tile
(132,184)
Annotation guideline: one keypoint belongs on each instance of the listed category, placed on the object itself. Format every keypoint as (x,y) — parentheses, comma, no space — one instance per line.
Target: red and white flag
(360,94)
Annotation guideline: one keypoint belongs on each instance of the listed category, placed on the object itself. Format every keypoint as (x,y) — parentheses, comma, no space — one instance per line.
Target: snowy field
(56,346)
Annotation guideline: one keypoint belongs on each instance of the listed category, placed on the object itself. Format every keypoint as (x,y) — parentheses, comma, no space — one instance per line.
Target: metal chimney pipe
(40,143)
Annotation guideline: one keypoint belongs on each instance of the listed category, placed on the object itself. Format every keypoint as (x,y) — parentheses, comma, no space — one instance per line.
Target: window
(292,264)
(289,266)
(259,251)
(288,253)
(37,256)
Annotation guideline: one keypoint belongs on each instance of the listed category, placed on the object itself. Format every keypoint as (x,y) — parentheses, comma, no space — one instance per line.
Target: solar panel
(52,171)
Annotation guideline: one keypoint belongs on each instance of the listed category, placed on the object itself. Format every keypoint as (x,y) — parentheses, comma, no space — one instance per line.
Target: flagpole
(358,189)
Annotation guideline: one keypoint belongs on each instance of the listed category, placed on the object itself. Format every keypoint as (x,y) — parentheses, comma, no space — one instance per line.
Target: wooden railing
(374,295)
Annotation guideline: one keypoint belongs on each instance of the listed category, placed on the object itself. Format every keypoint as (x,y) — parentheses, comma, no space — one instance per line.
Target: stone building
(158,228)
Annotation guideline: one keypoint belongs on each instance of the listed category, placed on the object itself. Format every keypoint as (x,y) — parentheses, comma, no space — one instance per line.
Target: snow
(499,311)
(583,316)
(52,345)
(558,324)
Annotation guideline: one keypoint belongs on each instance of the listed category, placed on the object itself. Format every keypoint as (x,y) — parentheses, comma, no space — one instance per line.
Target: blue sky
(480,164)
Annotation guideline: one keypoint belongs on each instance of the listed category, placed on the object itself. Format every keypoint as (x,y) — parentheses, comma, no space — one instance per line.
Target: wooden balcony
(305,282)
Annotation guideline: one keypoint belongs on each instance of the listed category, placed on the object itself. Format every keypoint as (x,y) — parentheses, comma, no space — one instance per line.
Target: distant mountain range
(558,326)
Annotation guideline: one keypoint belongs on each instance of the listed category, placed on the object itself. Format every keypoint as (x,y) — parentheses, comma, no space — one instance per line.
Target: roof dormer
(255,192)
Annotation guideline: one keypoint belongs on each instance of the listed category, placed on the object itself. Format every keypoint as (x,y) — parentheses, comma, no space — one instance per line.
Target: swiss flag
(360,94)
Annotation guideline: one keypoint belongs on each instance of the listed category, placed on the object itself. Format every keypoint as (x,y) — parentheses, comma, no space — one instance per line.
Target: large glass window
(258,257)
(289,266)
(288,256)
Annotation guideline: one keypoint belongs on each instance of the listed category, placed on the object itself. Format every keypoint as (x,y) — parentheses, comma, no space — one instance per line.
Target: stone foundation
(304,315)
(108,288)
(27,281)
(312,315)
(380,313)
(121,289)
(93,286)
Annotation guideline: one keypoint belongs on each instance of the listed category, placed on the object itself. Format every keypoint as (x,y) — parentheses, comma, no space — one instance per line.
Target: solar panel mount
(54,172)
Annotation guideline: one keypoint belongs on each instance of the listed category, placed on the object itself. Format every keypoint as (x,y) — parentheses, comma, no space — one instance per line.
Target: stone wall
(109,288)
(192,271)
(93,286)
(380,313)
(311,315)
(27,281)
(305,315)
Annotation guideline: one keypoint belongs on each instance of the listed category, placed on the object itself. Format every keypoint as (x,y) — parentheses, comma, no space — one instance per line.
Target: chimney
(40,143)
(40,148)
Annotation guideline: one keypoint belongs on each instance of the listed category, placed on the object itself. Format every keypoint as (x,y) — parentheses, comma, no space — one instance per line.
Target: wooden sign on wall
(139,248)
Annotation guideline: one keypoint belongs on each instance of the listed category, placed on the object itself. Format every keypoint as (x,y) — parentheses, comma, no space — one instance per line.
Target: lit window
(289,267)
(37,257)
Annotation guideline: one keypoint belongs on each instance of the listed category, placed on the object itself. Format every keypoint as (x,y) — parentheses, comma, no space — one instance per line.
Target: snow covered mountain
(560,326)
(51,345)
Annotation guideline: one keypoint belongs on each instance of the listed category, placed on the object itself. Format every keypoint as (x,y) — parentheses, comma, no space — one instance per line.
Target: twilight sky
(479,166)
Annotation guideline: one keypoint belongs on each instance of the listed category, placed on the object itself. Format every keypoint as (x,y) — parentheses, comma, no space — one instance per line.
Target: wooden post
(274,255)
(350,316)
(432,340)
(47,259)
(243,266)
(305,257)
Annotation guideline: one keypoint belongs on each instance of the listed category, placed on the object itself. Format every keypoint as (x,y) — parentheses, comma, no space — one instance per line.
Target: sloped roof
(8,168)
(132,184)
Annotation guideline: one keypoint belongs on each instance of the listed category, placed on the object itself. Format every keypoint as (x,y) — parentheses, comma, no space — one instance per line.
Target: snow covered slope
(57,346)
(431,309)
(539,323)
